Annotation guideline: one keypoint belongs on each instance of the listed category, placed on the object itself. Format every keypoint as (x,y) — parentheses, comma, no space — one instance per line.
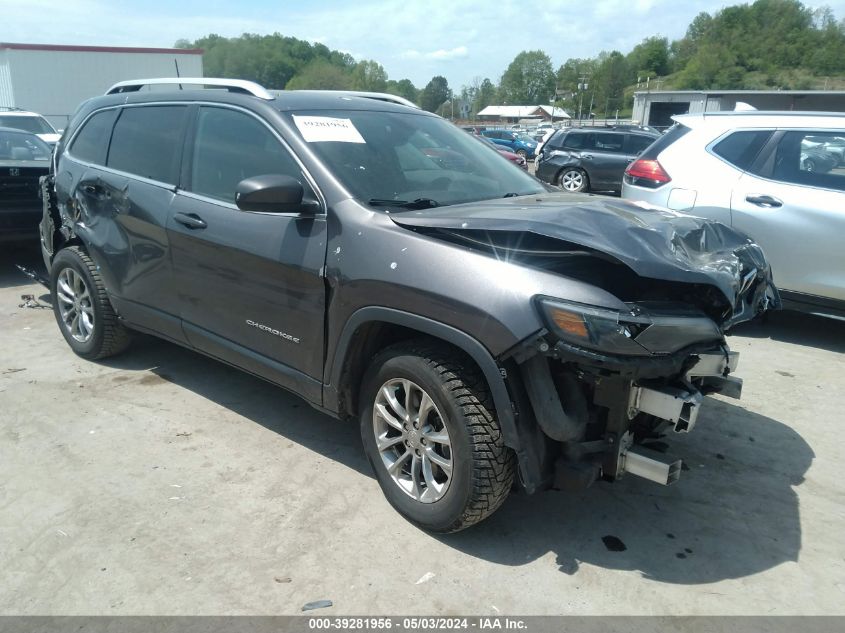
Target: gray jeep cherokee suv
(487,332)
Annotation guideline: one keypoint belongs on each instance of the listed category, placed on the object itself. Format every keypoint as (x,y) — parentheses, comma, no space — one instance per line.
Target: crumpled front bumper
(595,409)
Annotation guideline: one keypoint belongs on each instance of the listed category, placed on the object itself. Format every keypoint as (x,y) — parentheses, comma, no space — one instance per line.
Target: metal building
(657,108)
(53,80)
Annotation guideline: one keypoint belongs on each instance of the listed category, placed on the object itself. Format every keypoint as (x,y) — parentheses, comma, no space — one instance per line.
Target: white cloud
(453,53)
(441,53)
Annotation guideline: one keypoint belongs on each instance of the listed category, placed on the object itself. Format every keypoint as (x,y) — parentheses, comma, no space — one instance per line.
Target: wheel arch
(373,328)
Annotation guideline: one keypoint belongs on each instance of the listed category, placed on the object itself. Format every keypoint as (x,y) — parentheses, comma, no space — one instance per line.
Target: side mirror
(272,193)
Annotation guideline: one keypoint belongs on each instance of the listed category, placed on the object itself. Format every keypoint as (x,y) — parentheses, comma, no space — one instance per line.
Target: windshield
(525,138)
(22,146)
(385,157)
(33,124)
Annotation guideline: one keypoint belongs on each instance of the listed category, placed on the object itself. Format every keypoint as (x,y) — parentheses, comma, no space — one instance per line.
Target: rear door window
(147,141)
(92,141)
(577,140)
(810,158)
(612,142)
(741,148)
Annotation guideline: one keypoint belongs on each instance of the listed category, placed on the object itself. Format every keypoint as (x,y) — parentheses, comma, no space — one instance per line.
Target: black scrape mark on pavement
(669,535)
(680,555)
(719,456)
(688,550)
(613,544)
(785,373)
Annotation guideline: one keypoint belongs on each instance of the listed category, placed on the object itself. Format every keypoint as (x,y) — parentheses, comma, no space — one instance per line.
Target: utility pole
(582,87)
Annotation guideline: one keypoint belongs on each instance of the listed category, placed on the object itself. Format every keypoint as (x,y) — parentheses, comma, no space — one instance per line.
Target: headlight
(656,328)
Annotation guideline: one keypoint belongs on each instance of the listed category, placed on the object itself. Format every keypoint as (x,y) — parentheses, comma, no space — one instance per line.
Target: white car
(29,122)
(547,134)
(750,170)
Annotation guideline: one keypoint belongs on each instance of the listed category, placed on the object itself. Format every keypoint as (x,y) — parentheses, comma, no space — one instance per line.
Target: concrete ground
(162,482)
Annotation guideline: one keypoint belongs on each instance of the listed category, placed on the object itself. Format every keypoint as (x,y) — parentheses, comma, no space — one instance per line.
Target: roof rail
(232,85)
(11,109)
(378,96)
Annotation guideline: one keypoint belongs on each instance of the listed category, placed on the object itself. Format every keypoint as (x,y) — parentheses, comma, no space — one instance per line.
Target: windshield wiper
(512,195)
(419,203)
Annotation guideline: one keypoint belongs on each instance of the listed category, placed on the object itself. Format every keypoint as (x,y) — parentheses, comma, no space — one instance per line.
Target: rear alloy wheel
(573,180)
(82,307)
(431,435)
(523,153)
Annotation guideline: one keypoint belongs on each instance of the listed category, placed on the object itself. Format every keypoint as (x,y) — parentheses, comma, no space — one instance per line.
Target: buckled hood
(654,243)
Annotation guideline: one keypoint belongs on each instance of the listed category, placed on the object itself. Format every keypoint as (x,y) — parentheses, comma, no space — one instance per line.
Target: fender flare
(492,372)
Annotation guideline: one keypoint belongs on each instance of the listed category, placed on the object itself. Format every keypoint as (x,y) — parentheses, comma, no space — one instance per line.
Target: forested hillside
(768,44)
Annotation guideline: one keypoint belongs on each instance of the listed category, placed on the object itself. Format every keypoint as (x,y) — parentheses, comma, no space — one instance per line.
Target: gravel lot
(161,482)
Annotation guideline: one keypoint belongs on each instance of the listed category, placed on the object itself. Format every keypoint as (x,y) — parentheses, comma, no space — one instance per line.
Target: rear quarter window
(92,141)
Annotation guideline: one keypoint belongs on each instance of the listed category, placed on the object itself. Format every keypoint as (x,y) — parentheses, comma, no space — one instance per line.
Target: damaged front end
(598,381)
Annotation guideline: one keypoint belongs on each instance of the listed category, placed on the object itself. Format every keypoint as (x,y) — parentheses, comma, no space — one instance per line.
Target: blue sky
(459,39)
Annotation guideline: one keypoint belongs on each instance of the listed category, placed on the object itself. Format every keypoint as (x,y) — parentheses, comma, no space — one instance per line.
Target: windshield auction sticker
(317,129)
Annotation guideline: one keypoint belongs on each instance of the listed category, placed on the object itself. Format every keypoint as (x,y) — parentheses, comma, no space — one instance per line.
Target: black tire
(482,466)
(572,172)
(108,336)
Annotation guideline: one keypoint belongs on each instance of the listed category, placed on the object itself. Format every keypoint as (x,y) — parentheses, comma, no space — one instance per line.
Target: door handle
(767,202)
(191,220)
(587,156)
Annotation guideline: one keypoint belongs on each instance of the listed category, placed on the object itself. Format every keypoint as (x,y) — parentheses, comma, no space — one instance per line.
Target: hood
(654,243)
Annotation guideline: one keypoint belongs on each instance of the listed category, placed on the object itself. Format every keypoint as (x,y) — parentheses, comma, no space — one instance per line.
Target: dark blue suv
(516,142)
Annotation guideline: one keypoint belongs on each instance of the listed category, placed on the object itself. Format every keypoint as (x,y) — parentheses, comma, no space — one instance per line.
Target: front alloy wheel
(412,440)
(430,432)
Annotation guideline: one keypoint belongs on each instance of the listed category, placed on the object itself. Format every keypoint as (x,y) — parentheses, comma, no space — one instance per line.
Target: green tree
(528,80)
(402,88)
(321,74)
(650,57)
(369,76)
(435,93)
(485,96)
(609,80)
(713,65)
